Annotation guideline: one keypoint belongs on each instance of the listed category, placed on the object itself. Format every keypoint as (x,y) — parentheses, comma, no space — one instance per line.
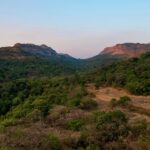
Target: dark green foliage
(23,96)
(123,101)
(36,67)
(110,126)
(13,93)
(51,142)
(108,117)
(75,125)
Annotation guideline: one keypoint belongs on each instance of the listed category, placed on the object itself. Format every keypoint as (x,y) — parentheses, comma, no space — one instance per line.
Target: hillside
(115,54)
(128,50)
(132,74)
(28,60)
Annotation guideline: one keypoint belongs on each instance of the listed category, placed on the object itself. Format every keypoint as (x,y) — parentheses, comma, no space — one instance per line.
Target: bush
(74,102)
(88,104)
(109,117)
(123,101)
(110,126)
(75,125)
(139,127)
(35,115)
(52,143)
(42,105)
(9,122)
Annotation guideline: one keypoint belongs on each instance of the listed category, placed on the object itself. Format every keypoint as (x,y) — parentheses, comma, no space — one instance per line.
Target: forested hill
(29,60)
(132,74)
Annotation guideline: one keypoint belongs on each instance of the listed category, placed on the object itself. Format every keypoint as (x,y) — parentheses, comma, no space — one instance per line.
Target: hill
(115,54)
(132,74)
(128,50)
(28,60)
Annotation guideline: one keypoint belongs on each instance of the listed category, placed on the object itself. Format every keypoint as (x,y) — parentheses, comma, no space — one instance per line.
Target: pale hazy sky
(81,28)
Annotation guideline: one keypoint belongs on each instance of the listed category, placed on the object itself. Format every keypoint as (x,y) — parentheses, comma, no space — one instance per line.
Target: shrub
(139,87)
(35,115)
(52,143)
(42,105)
(75,125)
(9,122)
(109,117)
(139,127)
(88,103)
(124,100)
(74,102)
(110,126)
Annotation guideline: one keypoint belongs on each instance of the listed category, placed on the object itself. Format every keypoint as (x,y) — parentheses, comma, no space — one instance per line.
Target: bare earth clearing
(140,107)
(105,94)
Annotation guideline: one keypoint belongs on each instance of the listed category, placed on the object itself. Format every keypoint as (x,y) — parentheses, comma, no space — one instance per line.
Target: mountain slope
(114,54)
(132,74)
(28,60)
(127,50)
(26,51)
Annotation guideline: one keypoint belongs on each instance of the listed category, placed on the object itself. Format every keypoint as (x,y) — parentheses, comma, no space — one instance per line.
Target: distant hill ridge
(19,50)
(29,60)
(127,50)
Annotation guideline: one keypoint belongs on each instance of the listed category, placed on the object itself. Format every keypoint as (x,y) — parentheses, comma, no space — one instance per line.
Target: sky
(81,28)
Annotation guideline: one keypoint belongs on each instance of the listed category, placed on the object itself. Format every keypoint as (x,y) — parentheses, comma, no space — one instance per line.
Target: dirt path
(105,94)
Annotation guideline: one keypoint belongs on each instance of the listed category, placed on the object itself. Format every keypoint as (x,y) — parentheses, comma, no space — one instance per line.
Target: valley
(52,101)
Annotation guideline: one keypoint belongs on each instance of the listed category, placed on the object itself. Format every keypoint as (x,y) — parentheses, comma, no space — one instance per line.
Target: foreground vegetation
(58,113)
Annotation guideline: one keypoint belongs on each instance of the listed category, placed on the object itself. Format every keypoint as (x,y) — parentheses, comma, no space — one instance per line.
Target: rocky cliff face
(127,50)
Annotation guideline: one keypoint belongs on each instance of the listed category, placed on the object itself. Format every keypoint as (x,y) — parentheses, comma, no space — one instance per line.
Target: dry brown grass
(107,93)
